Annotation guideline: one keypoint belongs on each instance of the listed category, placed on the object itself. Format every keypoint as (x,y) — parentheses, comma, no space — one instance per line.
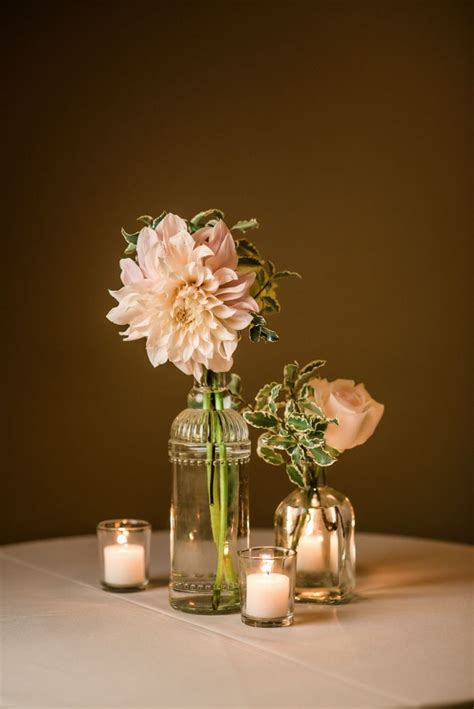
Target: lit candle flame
(267,565)
(122,537)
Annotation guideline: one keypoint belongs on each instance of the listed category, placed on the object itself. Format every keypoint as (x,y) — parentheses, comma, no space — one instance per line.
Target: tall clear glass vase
(209,449)
(318,522)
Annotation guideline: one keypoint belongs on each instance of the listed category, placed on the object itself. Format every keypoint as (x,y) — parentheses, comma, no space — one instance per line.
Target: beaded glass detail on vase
(209,448)
(318,523)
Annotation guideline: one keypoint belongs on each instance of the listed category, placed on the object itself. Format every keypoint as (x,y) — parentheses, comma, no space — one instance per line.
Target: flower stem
(210,465)
(223,502)
(218,487)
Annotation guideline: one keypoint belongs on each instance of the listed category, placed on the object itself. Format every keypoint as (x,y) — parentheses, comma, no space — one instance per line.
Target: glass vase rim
(126,523)
(270,551)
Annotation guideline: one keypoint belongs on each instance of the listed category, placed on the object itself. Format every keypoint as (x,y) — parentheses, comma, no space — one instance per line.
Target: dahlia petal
(219,232)
(247,303)
(220,364)
(226,255)
(240,320)
(222,311)
(201,236)
(178,250)
(170,225)
(131,272)
(157,355)
(146,239)
(225,275)
(229,347)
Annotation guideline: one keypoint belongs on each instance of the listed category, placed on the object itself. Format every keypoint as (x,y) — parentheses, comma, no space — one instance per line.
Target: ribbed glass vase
(318,523)
(209,449)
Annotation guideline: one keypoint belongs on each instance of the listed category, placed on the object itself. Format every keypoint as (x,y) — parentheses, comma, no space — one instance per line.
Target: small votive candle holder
(267,586)
(124,554)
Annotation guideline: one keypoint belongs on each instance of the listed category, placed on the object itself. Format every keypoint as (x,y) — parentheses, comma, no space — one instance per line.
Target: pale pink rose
(358,414)
(185,295)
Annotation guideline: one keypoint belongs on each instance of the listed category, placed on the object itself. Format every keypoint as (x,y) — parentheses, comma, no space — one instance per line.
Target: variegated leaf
(295,475)
(290,372)
(322,457)
(286,274)
(299,423)
(279,442)
(260,419)
(202,218)
(245,225)
(269,455)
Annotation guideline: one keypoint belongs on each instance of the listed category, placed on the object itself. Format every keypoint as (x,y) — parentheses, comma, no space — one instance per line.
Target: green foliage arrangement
(294,425)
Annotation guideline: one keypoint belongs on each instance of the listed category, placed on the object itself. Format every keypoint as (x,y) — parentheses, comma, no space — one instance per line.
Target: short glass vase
(318,523)
(124,554)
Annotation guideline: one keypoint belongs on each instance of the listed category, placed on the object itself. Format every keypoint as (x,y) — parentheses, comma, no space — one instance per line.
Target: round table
(404,641)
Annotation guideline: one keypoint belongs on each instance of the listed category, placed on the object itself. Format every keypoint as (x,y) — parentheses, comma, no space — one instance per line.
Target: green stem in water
(304,517)
(223,502)
(211,481)
(218,488)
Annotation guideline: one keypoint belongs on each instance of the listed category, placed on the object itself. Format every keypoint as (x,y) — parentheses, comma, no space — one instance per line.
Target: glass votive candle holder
(267,586)
(124,554)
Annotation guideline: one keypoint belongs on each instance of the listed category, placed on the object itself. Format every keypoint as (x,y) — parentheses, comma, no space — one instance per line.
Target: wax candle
(310,554)
(124,564)
(318,553)
(267,595)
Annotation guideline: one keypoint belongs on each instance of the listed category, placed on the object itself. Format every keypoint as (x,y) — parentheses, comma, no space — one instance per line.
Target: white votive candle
(124,564)
(267,595)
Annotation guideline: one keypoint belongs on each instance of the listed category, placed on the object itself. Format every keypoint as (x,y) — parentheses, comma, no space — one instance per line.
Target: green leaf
(259,330)
(290,372)
(249,261)
(267,396)
(268,335)
(308,372)
(270,305)
(295,475)
(299,423)
(130,238)
(333,452)
(296,456)
(270,268)
(311,366)
(322,457)
(310,406)
(246,248)
(157,220)
(245,225)
(286,274)
(146,219)
(131,248)
(270,456)
(306,392)
(235,384)
(263,395)
(313,440)
(260,419)
(280,442)
(202,218)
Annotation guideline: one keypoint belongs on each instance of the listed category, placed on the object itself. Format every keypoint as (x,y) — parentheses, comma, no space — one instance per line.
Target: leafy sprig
(293,424)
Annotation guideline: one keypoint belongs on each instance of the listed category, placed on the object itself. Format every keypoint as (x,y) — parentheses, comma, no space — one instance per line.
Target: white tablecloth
(405,641)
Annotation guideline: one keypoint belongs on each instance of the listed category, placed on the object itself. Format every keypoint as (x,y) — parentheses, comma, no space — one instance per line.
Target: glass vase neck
(211,380)
(210,392)
(317,476)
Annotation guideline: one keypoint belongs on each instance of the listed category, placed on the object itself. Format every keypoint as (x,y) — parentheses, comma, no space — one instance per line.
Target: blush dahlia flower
(185,295)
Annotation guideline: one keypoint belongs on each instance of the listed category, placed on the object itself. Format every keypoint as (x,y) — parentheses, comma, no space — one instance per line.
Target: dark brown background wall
(342,126)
